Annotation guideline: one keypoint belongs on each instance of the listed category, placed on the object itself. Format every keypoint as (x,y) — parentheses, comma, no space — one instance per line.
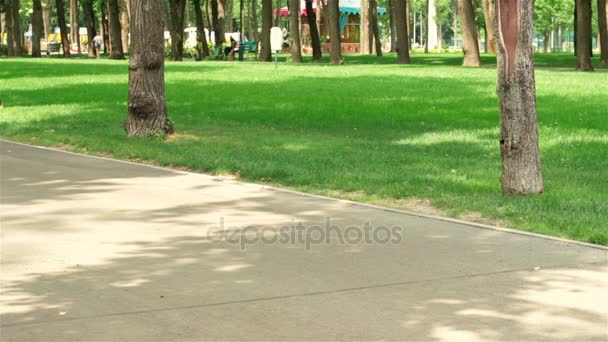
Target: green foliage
(374,133)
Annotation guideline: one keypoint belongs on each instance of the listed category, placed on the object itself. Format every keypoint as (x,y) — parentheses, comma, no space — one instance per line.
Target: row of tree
(407,21)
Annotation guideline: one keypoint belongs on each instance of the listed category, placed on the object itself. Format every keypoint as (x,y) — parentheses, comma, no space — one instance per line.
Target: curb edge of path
(345,201)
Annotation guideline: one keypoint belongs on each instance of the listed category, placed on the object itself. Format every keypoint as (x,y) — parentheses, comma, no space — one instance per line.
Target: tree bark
(519,146)
(294,31)
(403,40)
(13,28)
(74,22)
(37,28)
(217,14)
(391,24)
(202,47)
(373,14)
(426,28)
(602,13)
(89,15)
(333,17)
(115,31)
(147,106)
(364,31)
(265,52)
(254,15)
(104,25)
(315,40)
(583,35)
(177,8)
(124,24)
(488,13)
(470,40)
(47,6)
(65,42)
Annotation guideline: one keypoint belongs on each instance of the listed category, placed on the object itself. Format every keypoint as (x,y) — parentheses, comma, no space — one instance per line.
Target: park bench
(251,48)
(52,47)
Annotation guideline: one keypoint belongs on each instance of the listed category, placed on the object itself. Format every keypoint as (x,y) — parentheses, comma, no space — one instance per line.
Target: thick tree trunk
(65,42)
(89,15)
(115,32)
(177,8)
(47,6)
(602,13)
(519,146)
(294,31)
(364,33)
(202,47)
(373,11)
(229,5)
(265,53)
(124,24)
(13,28)
(74,22)
(315,40)
(37,27)
(583,35)
(147,105)
(488,13)
(403,45)
(217,19)
(470,40)
(333,17)
(391,24)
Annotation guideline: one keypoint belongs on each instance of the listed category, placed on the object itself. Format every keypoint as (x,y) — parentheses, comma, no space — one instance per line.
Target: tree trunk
(254,15)
(202,47)
(426,28)
(583,35)
(177,8)
(89,15)
(470,40)
(364,32)
(104,25)
(217,18)
(519,146)
(124,24)
(391,24)
(115,32)
(147,105)
(47,6)
(229,5)
(294,31)
(403,45)
(602,13)
(545,42)
(265,53)
(333,18)
(13,28)
(74,22)
(315,40)
(488,13)
(278,17)
(373,11)
(65,42)
(37,28)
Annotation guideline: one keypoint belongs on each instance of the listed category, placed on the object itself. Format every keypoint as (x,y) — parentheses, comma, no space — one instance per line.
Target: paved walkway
(94,249)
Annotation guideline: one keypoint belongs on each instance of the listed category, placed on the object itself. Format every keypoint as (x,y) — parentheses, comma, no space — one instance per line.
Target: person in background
(97,41)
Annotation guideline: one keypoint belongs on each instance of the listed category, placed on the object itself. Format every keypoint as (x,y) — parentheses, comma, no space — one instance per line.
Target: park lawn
(387,134)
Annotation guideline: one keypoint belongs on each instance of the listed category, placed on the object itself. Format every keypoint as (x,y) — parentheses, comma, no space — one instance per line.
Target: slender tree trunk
(545,42)
(37,27)
(47,6)
(89,15)
(221,17)
(488,13)
(391,24)
(217,18)
(124,24)
(426,28)
(373,10)
(13,28)
(202,47)
(470,40)
(583,35)
(65,42)
(147,105)
(294,31)
(229,15)
(278,17)
(364,33)
(74,22)
(2,22)
(104,25)
(403,45)
(254,15)
(602,13)
(519,146)
(315,40)
(115,32)
(408,23)
(177,8)
(333,18)
(265,53)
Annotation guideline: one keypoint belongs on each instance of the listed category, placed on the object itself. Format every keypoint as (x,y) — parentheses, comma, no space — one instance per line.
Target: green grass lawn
(369,130)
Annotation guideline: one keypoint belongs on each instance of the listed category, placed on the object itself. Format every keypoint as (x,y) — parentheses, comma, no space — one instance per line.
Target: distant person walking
(97,41)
